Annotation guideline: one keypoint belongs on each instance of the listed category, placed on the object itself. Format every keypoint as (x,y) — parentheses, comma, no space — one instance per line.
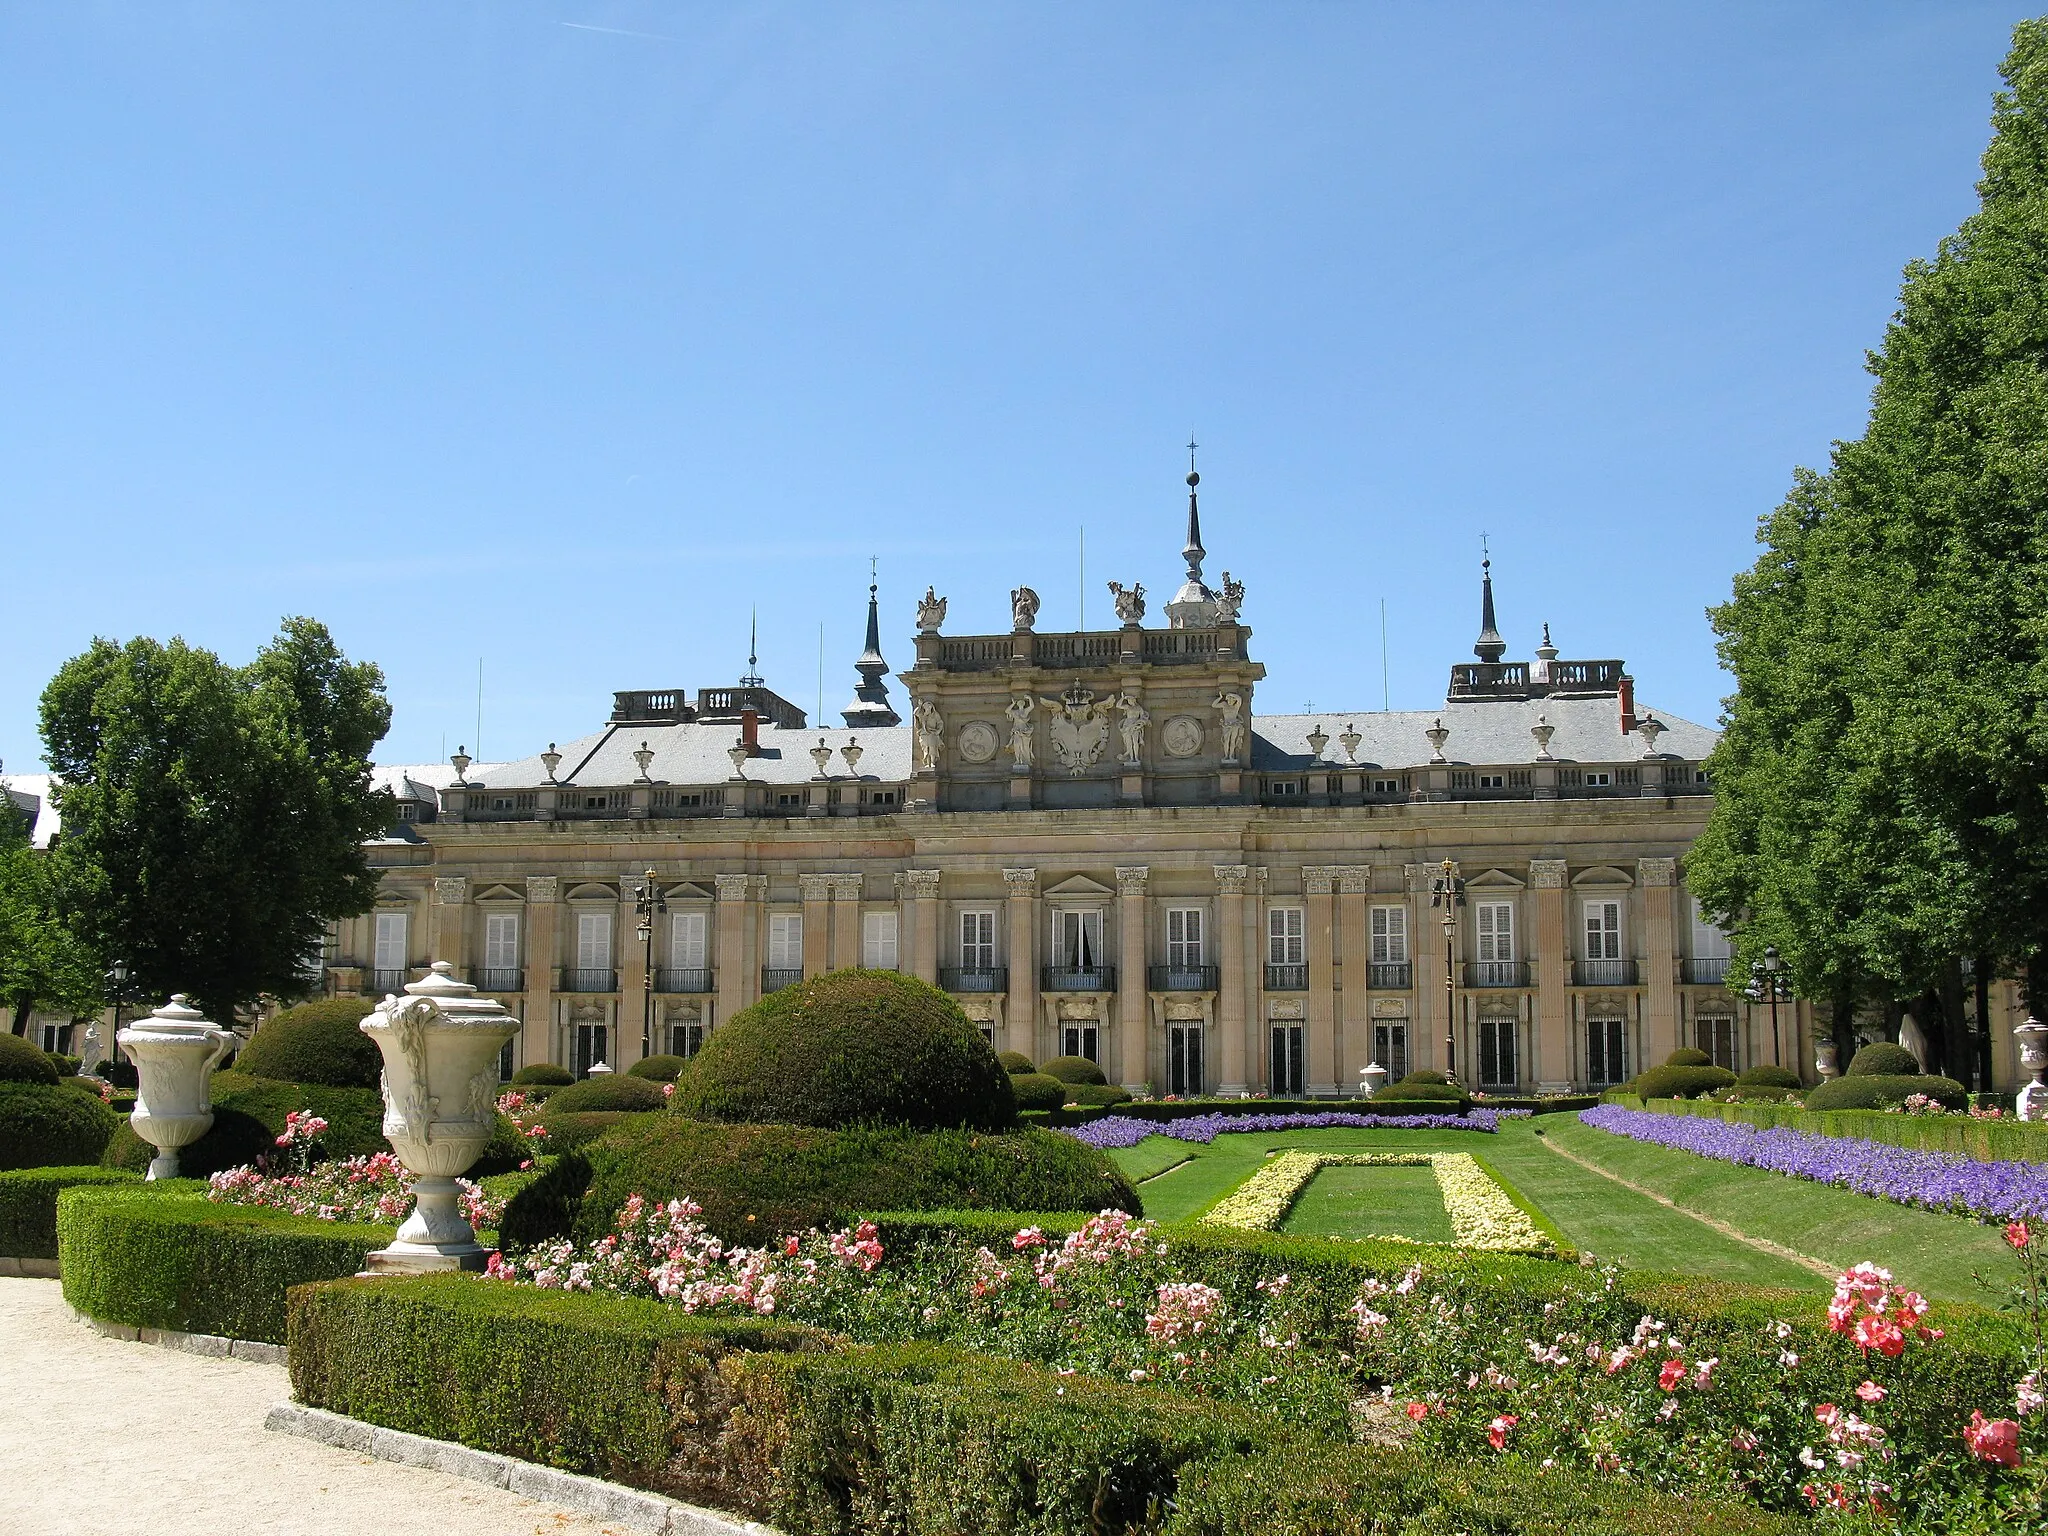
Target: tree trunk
(1983,972)
(1842,1023)
(1930,1011)
(23,1007)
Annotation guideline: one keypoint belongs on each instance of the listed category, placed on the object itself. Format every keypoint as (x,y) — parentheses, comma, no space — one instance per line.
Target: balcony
(1286,978)
(1497,973)
(382,981)
(1603,973)
(1069,978)
(1391,976)
(501,978)
(683,979)
(1181,978)
(585,979)
(975,978)
(1705,973)
(776,977)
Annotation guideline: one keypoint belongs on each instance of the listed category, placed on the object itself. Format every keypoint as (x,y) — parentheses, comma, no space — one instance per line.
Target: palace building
(1099,846)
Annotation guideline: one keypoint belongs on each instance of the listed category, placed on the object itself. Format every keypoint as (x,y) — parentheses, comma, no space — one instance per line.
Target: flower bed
(1936,1181)
(371,1189)
(1482,1216)
(1127,1131)
(1987,1139)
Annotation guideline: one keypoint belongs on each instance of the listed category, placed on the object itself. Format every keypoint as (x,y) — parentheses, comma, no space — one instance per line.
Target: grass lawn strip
(1356,1204)
(1481,1214)
(1262,1201)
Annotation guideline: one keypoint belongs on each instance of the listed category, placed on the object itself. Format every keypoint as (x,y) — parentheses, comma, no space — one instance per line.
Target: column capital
(1130,879)
(848,887)
(1319,879)
(1657,871)
(1233,879)
(541,888)
(918,884)
(451,890)
(1354,879)
(1022,882)
(817,887)
(1547,874)
(738,887)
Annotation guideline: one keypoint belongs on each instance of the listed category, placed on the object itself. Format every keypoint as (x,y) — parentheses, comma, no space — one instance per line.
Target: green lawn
(1370,1201)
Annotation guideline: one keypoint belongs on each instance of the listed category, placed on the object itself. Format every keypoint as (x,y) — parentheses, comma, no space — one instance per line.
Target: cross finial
(1485,554)
(1192,445)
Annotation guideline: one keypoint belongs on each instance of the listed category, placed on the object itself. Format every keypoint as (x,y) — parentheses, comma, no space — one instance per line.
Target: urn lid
(457,1000)
(177,1017)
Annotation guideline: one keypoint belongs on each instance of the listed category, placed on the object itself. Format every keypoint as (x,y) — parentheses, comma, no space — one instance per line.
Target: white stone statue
(931,612)
(1230,707)
(1022,747)
(928,734)
(1132,727)
(1023,608)
(1078,729)
(1229,600)
(1129,602)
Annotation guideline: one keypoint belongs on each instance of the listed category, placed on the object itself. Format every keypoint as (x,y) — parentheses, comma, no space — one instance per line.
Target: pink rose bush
(368,1189)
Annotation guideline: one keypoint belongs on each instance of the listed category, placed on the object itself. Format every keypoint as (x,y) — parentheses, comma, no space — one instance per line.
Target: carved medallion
(1182,736)
(978,742)
(1390,1007)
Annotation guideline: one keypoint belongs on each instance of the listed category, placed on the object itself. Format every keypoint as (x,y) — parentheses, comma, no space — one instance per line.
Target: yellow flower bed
(1481,1214)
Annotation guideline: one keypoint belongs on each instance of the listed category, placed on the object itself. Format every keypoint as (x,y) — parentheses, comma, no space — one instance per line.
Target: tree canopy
(41,960)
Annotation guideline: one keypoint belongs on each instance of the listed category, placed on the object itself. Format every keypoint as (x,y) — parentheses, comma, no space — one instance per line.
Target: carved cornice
(1130,880)
(1022,882)
(918,884)
(542,887)
(1547,874)
(451,890)
(1319,879)
(1657,871)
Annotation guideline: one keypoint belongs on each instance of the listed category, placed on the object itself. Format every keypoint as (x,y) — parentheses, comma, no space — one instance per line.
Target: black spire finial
(871,706)
(753,677)
(1193,552)
(1489,646)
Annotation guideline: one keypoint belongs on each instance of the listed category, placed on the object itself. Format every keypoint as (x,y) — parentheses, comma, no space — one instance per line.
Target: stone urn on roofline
(175,1051)
(440,1044)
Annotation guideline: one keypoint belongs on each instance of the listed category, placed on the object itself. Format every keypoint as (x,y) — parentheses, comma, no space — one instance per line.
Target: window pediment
(1602,875)
(591,892)
(1081,886)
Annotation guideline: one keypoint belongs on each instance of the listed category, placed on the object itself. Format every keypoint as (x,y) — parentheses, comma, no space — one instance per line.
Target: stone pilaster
(631,955)
(1319,939)
(846,922)
(1658,878)
(921,888)
(1354,936)
(1133,1005)
(1022,885)
(817,894)
(450,915)
(536,1039)
(1556,1065)
(737,983)
(1232,882)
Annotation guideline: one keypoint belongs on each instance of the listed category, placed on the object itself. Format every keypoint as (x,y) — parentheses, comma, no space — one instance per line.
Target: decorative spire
(1194,606)
(871,706)
(753,674)
(1192,551)
(1489,646)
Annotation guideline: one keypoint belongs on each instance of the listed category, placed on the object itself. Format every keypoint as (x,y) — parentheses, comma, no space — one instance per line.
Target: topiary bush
(46,1126)
(1015,1062)
(568,1132)
(1881,1058)
(757,1182)
(1074,1069)
(1753,1093)
(850,1048)
(21,1062)
(1872,1091)
(658,1069)
(1097,1094)
(1686,1056)
(1425,1076)
(1034,1090)
(249,1114)
(316,1043)
(543,1074)
(1669,1082)
(1416,1088)
(67,1066)
(1769,1077)
(607,1091)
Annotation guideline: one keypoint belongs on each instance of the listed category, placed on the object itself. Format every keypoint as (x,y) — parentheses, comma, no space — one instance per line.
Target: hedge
(1037,1090)
(1989,1141)
(607,1093)
(24,1062)
(248,1114)
(1872,1090)
(51,1127)
(157,1258)
(28,1206)
(316,1042)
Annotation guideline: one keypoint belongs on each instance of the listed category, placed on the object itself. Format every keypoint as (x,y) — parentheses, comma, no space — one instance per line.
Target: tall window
(1183,937)
(1708,941)
(1389,936)
(1496,927)
(592,1043)
(878,941)
(685,1040)
(1717,1039)
(389,953)
(1283,936)
(1077,939)
(593,941)
(687,941)
(1184,1060)
(1604,1064)
(977,941)
(501,941)
(785,941)
(1285,1075)
(1390,1049)
(1496,1053)
(1079,1040)
(1603,930)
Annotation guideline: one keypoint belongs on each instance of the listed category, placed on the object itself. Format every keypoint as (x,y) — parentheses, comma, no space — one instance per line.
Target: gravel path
(113,1439)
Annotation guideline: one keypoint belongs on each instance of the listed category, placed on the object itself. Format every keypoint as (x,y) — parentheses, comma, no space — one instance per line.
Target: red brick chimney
(750,731)
(1628,704)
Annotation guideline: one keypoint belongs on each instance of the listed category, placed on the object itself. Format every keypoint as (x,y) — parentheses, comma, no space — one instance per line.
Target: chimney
(750,730)
(1628,704)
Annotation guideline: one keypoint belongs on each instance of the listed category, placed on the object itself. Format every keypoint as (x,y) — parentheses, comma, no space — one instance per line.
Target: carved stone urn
(2033,1042)
(1825,1053)
(175,1051)
(440,1044)
(1372,1077)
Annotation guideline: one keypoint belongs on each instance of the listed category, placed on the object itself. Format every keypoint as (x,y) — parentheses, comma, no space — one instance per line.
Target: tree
(213,817)
(41,959)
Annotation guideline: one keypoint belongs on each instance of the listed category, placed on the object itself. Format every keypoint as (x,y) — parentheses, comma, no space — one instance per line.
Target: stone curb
(30,1269)
(211,1344)
(591,1496)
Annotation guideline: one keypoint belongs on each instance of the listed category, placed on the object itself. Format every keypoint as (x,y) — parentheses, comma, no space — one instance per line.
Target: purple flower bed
(1123,1131)
(1934,1180)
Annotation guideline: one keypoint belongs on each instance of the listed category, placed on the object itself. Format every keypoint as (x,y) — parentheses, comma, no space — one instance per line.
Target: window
(1184,1060)
(1390,1049)
(1603,930)
(785,941)
(57,1038)
(408,811)
(1598,778)
(1283,936)
(1284,787)
(884,797)
(1604,1064)
(687,943)
(685,1040)
(787,799)
(1496,1053)
(1389,936)
(988,1033)
(1496,926)
(501,941)
(1077,939)
(1078,1040)
(1386,786)
(508,1061)
(390,942)
(878,941)
(977,941)
(591,1045)
(593,941)
(1708,941)
(1717,1039)
(1183,937)
(1285,1078)
(1493,781)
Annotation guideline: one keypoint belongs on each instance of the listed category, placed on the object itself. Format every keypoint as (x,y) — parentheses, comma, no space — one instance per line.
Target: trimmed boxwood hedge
(1681,1082)
(1883,1058)
(28,1206)
(1420,1090)
(607,1091)
(53,1126)
(543,1074)
(249,1113)
(316,1043)
(1873,1091)
(1037,1090)
(1097,1095)
(1074,1070)
(1015,1062)
(659,1069)
(23,1062)
(1768,1076)
(164,1258)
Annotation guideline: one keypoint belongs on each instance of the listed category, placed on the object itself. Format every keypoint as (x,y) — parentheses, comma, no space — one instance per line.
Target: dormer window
(1598,778)
(1493,781)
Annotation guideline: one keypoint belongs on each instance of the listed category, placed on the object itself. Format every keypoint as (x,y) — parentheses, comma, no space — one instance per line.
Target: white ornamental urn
(1825,1053)
(2032,1103)
(1372,1077)
(440,1043)
(175,1051)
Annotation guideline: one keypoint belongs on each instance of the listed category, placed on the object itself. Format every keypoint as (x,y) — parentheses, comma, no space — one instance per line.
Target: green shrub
(67,1066)
(1685,1056)
(1681,1082)
(1753,1093)
(1097,1095)
(658,1069)
(504,1152)
(850,1048)
(1426,1075)
(568,1132)
(1769,1077)
(1881,1058)
(607,1091)
(543,1074)
(316,1043)
(248,1116)
(1074,1070)
(28,1206)
(170,1260)
(22,1062)
(1015,1062)
(1872,1091)
(1035,1090)
(1988,1141)
(45,1126)
(1443,1098)
(759,1182)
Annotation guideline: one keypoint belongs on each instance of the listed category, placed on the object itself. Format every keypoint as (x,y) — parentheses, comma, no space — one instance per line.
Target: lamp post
(649,902)
(1447,893)
(1768,984)
(117,989)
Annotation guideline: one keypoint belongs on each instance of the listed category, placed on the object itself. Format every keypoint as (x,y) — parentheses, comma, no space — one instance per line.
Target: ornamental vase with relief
(175,1051)
(2032,1039)
(440,1044)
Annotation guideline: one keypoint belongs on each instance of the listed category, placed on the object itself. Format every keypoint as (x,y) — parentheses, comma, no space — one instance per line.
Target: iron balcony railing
(1497,973)
(1286,978)
(1391,975)
(587,979)
(776,977)
(502,978)
(1072,978)
(975,978)
(1181,978)
(387,981)
(671,978)
(1604,973)
(1706,973)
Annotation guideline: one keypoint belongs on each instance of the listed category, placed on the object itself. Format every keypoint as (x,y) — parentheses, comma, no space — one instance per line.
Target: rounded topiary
(316,1043)
(1685,1056)
(1669,1082)
(570,1131)
(1874,1091)
(658,1069)
(1881,1058)
(850,1048)
(1769,1077)
(44,1126)
(543,1074)
(249,1114)
(1015,1062)
(1035,1090)
(1074,1069)
(1425,1076)
(67,1066)
(22,1062)
(1429,1098)
(760,1182)
(606,1091)
(1097,1094)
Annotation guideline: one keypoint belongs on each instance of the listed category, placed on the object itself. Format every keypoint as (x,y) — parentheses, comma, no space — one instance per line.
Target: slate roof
(30,793)
(694,753)
(1484,732)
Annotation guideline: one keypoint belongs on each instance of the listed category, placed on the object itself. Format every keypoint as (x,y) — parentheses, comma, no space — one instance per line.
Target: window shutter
(501,941)
(785,941)
(878,941)
(390,954)
(593,941)
(687,941)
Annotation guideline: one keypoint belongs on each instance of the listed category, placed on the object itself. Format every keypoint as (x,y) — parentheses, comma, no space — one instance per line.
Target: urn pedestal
(440,1044)
(1372,1077)
(2032,1102)
(175,1051)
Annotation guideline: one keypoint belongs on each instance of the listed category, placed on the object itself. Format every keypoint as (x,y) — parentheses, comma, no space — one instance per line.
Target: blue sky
(559,335)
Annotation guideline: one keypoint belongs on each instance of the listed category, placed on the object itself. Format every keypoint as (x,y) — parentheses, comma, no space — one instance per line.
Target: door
(1604,1065)
(1390,1049)
(1077,940)
(1184,1060)
(977,941)
(388,959)
(688,944)
(1496,1053)
(878,941)
(1078,1040)
(592,1046)
(501,951)
(1285,1078)
(1184,945)
(594,951)
(685,1040)
(1717,1039)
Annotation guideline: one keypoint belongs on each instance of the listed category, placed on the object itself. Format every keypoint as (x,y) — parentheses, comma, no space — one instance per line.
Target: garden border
(214,1345)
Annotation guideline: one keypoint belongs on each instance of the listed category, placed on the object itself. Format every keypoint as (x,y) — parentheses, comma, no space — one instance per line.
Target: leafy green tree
(41,960)
(213,817)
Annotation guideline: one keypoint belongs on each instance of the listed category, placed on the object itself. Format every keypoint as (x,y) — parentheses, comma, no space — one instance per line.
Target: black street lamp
(117,989)
(649,902)
(1447,892)
(1769,984)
